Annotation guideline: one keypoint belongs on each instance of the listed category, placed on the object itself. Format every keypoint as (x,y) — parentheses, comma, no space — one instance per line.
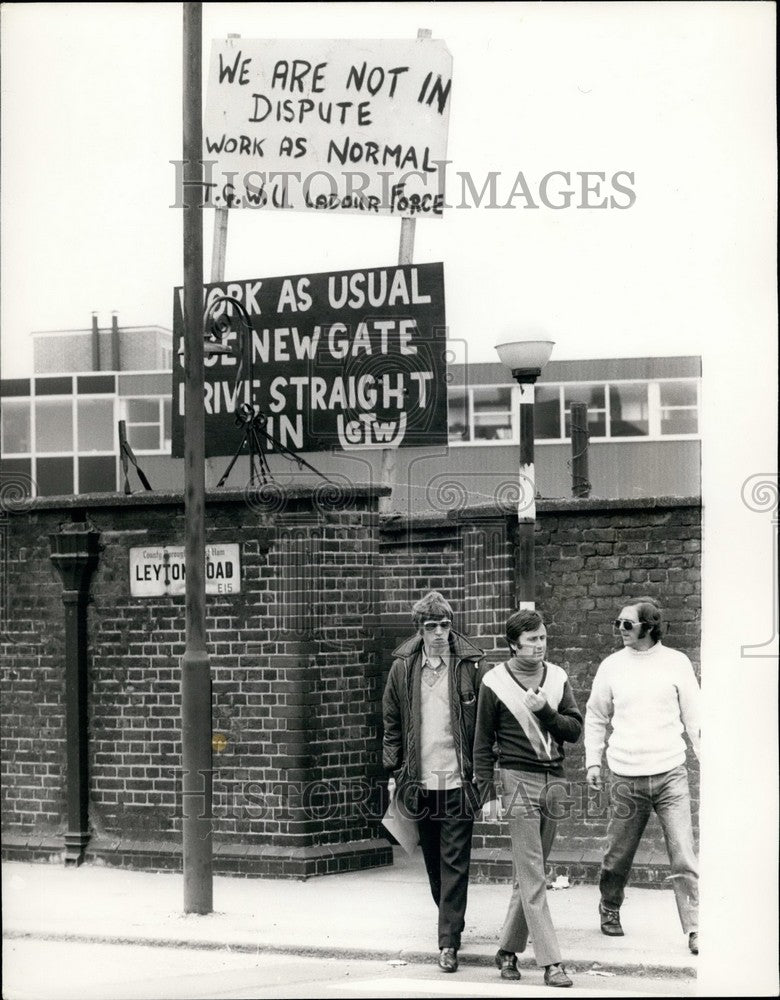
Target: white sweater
(649,696)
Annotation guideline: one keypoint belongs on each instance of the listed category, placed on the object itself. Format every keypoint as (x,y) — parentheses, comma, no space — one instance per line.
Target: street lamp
(525,359)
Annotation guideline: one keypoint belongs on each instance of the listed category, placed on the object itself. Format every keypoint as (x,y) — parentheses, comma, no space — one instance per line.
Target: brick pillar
(327,687)
(74,552)
(488,595)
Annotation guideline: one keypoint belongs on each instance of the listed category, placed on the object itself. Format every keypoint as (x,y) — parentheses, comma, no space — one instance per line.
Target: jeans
(445,829)
(531,802)
(633,799)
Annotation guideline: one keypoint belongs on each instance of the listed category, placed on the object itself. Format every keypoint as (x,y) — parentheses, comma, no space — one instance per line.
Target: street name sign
(157,571)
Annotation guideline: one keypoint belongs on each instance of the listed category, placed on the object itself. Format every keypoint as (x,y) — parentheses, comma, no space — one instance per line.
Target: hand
(535,700)
(492,811)
(390,788)
(593,776)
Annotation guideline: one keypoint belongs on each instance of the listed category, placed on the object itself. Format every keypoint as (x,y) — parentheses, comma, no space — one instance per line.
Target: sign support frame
(389,472)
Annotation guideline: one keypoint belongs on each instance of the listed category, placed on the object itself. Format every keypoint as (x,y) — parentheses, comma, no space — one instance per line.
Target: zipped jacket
(401,710)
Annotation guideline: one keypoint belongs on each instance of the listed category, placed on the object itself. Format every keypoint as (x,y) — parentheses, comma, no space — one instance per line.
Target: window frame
(163,443)
(58,398)
(104,398)
(31,426)
(73,453)
(467,392)
(655,411)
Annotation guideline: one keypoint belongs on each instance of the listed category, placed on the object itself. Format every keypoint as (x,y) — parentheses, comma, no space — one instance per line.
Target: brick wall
(298,663)
(57,354)
(139,350)
(587,564)
(31,683)
(296,688)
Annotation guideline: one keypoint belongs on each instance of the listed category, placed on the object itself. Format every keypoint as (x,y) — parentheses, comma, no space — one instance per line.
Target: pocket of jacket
(468,703)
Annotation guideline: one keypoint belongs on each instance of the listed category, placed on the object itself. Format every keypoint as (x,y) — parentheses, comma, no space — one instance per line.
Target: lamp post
(525,359)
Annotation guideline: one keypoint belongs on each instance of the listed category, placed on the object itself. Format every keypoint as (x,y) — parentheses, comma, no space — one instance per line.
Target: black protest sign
(346,359)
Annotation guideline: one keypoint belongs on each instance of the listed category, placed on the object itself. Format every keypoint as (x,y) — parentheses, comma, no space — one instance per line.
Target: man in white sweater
(649,693)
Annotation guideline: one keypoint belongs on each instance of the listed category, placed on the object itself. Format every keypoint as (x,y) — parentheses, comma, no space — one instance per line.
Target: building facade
(96,349)
(60,430)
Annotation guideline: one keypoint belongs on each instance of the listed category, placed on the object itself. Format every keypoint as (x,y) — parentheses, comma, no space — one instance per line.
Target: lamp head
(525,358)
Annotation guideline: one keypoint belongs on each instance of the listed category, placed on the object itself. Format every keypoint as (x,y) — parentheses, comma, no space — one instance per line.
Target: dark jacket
(401,706)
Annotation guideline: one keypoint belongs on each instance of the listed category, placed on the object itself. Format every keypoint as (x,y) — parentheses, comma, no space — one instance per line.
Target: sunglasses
(625,623)
(432,626)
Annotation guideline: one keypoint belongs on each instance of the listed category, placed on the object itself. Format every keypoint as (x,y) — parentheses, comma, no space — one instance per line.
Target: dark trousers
(445,823)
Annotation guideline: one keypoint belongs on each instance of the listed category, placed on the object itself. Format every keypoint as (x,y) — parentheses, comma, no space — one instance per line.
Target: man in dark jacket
(429,711)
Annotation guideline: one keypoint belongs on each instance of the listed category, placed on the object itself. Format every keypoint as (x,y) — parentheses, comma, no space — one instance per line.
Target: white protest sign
(333,125)
(159,570)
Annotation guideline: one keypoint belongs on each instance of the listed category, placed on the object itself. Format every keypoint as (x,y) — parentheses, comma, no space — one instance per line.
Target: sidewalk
(383,913)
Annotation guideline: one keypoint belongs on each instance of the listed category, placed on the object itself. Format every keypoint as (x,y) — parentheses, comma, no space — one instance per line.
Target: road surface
(35,969)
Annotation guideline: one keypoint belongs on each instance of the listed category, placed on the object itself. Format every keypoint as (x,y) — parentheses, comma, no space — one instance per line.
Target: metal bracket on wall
(127,455)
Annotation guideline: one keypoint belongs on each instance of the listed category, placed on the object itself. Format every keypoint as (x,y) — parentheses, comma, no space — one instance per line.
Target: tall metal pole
(195,674)
(525,571)
(405,256)
(580,486)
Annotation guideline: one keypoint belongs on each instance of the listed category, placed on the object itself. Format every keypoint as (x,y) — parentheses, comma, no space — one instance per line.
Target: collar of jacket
(460,646)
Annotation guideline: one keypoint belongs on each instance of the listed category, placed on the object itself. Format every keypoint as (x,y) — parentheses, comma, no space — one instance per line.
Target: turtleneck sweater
(649,696)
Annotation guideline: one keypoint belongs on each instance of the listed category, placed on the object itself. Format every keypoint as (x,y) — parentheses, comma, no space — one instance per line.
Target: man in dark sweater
(526,707)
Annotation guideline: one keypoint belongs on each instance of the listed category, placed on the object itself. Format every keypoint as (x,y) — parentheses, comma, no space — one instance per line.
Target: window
(492,407)
(54,477)
(679,407)
(16,436)
(53,425)
(143,411)
(594,394)
(148,421)
(482,414)
(547,412)
(628,410)
(616,410)
(166,425)
(97,474)
(95,425)
(459,419)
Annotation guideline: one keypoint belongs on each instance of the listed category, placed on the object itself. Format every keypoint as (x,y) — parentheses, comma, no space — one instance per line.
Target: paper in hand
(401,826)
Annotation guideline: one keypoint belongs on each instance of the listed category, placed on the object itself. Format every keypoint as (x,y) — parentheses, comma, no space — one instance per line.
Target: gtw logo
(370,432)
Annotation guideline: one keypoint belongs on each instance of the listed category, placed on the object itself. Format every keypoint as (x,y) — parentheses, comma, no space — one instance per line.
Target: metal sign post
(405,256)
(195,674)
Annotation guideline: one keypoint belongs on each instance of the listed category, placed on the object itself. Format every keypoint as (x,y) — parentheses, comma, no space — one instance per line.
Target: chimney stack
(95,343)
(115,357)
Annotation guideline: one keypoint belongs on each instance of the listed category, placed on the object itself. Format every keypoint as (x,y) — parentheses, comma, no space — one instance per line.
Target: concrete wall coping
(562,505)
(322,493)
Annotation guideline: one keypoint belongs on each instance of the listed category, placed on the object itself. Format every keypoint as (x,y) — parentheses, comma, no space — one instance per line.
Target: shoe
(506,963)
(448,960)
(610,921)
(555,975)
(693,942)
